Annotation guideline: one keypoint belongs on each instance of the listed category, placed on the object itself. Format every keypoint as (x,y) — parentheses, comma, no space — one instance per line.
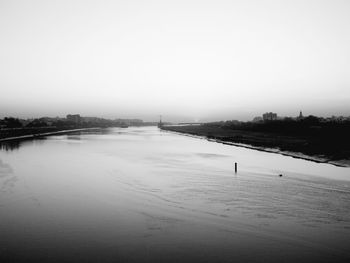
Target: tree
(12,122)
(37,123)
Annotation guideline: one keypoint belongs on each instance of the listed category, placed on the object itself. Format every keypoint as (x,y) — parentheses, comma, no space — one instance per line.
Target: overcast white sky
(183,59)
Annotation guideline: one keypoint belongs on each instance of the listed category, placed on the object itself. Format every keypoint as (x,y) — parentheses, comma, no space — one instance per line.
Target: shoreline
(297,155)
(36,135)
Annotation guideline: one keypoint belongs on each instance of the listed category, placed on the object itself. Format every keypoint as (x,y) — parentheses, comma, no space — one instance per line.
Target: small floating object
(280,175)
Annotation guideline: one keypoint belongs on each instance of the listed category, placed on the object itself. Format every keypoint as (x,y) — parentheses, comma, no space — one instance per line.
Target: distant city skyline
(187,60)
(179,119)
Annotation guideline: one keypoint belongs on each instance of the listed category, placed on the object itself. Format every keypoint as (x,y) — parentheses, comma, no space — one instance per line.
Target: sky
(187,60)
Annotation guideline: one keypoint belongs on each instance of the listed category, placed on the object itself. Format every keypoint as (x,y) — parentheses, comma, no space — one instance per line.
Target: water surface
(144,195)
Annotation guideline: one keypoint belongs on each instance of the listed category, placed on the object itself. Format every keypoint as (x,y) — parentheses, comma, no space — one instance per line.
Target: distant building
(269,116)
(75,118)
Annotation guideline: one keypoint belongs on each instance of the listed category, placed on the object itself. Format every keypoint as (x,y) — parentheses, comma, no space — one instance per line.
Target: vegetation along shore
(311,138)
(17,129)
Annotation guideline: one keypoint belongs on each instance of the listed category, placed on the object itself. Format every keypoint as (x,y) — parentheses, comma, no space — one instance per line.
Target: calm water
(142,195)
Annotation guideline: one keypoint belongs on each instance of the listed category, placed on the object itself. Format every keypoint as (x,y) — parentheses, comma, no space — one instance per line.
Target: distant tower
(301,115)
(160,124)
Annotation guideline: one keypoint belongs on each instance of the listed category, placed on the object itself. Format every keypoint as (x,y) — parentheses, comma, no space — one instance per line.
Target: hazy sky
(184,59)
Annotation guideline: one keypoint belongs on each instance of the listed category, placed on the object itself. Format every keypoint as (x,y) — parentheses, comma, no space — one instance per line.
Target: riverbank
(286,145)
(37,132)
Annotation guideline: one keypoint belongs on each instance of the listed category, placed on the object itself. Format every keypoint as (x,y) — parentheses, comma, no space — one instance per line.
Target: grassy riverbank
(320,146)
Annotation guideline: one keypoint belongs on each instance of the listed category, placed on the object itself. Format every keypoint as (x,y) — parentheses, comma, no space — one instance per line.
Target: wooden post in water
(235,167)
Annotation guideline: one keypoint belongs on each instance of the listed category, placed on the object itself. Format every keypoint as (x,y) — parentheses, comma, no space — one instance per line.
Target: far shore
(298,155)
(43,134)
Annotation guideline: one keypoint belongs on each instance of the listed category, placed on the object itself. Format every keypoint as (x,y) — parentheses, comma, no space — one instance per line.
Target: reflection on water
(10,145)
(144,195)
(16,144)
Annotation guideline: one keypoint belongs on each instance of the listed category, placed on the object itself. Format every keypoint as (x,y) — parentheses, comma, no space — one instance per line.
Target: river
(145,195)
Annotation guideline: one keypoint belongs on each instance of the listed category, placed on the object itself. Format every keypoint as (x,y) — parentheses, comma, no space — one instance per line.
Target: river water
(145,195)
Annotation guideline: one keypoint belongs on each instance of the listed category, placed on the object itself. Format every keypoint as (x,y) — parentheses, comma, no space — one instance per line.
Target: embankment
(28,133)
